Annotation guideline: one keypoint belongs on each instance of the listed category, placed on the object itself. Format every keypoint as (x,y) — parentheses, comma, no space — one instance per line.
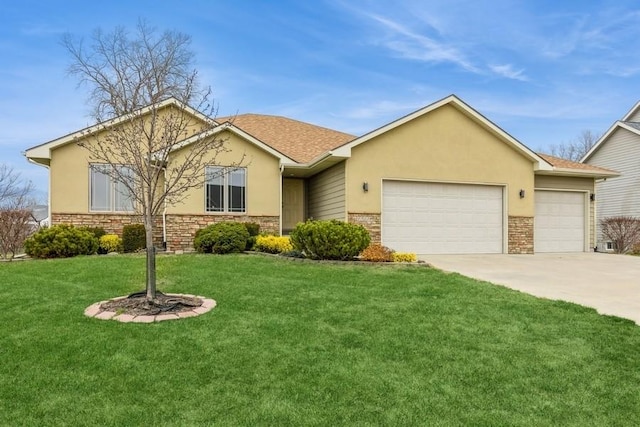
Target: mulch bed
(137,304)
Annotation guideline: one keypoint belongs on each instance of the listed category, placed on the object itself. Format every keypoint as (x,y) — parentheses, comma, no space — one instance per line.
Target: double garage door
(439,218)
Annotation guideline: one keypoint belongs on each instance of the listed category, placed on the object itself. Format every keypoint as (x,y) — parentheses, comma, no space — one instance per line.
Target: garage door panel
(442,218)
(559,223)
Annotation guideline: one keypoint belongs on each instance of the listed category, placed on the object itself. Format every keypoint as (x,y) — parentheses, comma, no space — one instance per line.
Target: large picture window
(225,189)
(107,194)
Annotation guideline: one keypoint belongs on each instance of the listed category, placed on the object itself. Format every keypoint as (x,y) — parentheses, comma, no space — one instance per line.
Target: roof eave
(579,173)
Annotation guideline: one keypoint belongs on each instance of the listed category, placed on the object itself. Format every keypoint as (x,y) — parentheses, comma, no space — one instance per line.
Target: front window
(225,189)
(108,194)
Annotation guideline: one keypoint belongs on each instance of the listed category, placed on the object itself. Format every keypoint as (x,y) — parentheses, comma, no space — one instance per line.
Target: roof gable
(539,162)
(43,151)
(632,127)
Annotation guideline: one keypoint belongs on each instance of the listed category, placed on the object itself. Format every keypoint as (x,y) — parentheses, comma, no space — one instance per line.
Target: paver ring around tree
(137,308)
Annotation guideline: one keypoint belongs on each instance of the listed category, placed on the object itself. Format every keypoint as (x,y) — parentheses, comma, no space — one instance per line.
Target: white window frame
(113,193)
(225,174)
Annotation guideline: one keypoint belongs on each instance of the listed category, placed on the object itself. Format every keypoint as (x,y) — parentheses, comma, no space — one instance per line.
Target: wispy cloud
(412,45)
(507,70)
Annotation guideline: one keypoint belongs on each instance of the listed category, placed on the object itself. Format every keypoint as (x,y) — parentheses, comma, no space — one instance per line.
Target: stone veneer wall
(112,223)
(180,228)
(520,235)
(370,221)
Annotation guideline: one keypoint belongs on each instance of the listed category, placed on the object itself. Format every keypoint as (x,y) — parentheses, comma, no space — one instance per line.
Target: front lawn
(301,343)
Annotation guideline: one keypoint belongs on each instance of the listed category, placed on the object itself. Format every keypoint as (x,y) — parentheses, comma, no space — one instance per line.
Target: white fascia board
(631,112)
(540,163)
(44,150)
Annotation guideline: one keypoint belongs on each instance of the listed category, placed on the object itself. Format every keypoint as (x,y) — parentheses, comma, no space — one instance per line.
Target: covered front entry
(292,203)
(442,218)
(559,222)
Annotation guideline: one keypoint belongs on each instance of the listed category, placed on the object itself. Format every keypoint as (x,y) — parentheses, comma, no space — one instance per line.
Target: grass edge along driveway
(302,343)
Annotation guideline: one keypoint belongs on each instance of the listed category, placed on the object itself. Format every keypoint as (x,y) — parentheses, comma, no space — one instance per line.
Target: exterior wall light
(592,197)
(365,186)
(521,194)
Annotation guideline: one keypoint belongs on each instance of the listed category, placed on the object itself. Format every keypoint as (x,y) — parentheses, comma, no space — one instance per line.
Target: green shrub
(404,257)
(221,238)
(98,232)
(133,237)
(375,252)
(273,244)
(60,241)
(253,228)
(110,243)
(330,239)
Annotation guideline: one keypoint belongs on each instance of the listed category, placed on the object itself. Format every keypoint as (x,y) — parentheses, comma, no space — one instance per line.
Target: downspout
(281,184)
(164,213)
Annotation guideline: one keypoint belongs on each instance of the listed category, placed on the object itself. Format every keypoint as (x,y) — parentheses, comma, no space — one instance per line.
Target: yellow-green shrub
(110,243)
(273,244)
(404,257)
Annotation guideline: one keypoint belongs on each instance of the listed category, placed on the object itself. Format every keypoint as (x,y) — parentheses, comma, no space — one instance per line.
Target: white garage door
(436,218)
(559,224)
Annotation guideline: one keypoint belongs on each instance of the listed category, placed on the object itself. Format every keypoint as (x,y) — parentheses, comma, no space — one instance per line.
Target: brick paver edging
(96,312)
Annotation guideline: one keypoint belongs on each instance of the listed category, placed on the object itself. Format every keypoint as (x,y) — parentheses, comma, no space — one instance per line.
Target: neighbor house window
(225,189)
(108,194)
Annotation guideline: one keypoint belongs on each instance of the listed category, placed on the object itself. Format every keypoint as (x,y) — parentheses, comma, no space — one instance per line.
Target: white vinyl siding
(559,222)
(620,195)
(327,194)
(441,218)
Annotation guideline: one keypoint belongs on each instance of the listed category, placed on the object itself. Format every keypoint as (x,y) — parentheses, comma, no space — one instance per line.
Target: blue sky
(542,70)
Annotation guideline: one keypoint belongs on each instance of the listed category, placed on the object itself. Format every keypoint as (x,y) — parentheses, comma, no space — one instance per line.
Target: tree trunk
(151,260)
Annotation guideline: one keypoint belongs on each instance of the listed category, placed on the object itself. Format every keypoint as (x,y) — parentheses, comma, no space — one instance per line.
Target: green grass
(300,343)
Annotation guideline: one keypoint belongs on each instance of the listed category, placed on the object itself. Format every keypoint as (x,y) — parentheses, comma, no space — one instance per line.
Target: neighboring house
(443,179)
(619,149)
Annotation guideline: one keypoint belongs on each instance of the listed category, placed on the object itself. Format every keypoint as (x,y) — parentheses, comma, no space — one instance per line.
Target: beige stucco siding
(69,175)
(263,178)
(327,195)
(443,145)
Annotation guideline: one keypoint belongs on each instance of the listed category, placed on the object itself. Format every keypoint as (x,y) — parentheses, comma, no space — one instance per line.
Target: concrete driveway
(609,283)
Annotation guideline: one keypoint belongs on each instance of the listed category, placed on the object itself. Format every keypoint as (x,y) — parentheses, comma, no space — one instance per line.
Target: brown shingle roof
(295,139)
(558,162)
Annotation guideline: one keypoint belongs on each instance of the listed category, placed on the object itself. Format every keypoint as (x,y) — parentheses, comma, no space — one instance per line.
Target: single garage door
(559,224)
(437,218)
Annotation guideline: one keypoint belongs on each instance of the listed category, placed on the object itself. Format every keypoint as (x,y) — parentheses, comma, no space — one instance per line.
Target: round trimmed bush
(221,238)
(134,237)
(60,241)
(330,239)
(110,243)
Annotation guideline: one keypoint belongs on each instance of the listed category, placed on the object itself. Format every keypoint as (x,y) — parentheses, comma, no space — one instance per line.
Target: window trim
(225,197)
(112,192)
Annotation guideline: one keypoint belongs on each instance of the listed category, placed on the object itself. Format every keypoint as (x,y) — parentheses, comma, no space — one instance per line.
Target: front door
(292,203)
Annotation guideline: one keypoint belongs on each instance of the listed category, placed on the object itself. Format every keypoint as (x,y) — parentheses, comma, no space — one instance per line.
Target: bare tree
(575,149)
(623,231)
(143,84)
(16,217)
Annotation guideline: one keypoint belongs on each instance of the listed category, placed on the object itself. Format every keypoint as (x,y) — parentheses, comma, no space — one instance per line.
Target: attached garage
(442,218)
(560,221)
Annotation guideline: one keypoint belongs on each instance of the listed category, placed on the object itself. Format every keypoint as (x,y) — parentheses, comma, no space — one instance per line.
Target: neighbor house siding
(635,117)
(621,195)
(327,194)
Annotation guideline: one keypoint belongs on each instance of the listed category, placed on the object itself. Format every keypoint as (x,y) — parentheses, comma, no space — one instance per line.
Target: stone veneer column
(370,221)
(520,235)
